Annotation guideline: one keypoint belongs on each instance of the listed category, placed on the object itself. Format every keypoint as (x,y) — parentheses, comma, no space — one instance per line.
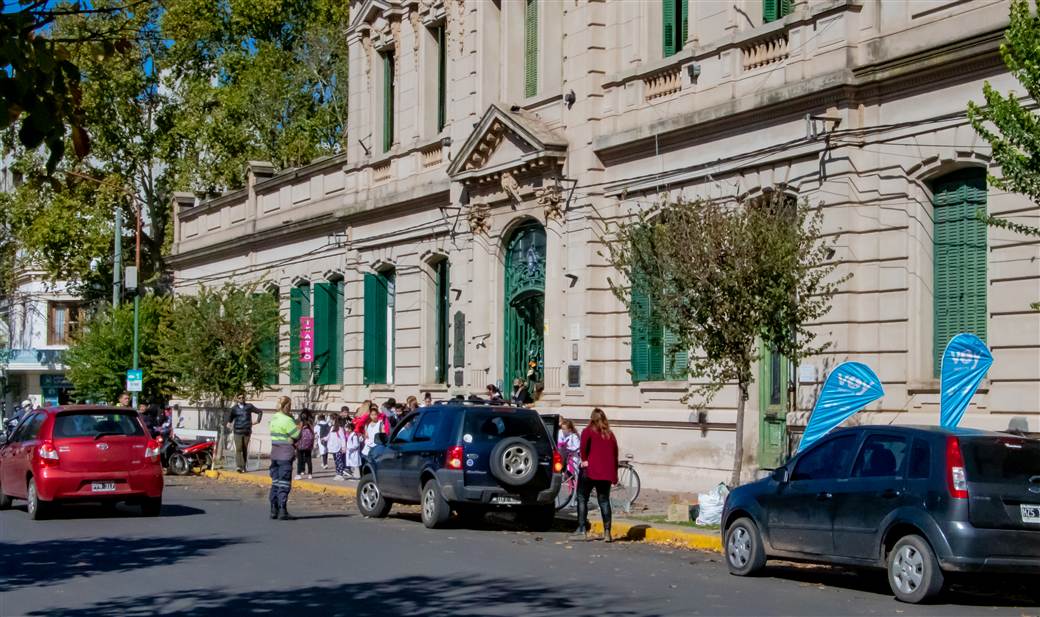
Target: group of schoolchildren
(347,436)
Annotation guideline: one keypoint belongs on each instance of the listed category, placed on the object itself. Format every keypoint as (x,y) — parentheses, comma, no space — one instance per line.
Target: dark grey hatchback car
(918,501)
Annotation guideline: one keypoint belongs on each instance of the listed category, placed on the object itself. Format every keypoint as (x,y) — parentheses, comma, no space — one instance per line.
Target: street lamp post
(137,296)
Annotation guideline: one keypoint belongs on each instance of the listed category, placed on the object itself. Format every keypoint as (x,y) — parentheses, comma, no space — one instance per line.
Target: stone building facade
(458,240)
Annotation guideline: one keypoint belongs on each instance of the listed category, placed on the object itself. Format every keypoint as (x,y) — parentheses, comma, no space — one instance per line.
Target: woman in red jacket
(599,465)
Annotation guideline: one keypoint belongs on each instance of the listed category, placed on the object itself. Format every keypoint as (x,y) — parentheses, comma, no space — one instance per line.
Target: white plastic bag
(711,504)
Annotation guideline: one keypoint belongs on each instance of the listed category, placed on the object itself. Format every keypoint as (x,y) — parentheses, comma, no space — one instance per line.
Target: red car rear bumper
(54,484)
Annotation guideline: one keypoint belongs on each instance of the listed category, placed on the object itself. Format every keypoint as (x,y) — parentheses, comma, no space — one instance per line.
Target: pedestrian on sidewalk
(411,404)
(373,427)
(427,399)
(321,432)
(284,433)
(521,397)
(353,459)
(569,445)
(338,448)
(240,421)
(305,447)
(599,465)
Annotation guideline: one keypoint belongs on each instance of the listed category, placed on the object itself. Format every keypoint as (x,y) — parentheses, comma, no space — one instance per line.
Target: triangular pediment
(505,140)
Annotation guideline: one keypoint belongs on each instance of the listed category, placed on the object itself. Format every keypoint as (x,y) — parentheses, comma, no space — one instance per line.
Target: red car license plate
(102,487)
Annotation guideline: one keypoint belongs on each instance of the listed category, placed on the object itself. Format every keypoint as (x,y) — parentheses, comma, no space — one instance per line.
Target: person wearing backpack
(338,448)
(305,447)
(322,430)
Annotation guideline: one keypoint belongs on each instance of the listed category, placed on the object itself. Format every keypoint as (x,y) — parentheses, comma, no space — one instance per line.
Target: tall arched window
(380,301)
(959,254)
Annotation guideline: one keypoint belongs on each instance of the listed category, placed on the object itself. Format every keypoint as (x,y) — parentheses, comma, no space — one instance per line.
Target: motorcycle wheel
(179,465)
(205,461)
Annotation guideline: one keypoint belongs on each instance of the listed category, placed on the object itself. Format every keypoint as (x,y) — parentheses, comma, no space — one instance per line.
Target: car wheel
(151,506)
(435,510)
(745,554)
(514,461)
(38,508)
(913,571)
(370,500)
(179,465)
(540,518)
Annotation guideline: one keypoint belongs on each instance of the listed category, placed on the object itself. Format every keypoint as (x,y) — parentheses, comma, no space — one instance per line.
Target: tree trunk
(217,462)
(738,451)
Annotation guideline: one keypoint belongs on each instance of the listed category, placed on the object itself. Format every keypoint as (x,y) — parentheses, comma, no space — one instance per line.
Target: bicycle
(622,495)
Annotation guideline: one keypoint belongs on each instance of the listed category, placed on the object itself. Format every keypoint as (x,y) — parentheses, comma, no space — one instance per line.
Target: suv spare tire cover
(514,461)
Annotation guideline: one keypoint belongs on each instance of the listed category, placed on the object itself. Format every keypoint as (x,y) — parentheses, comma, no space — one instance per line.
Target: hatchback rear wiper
(105,433)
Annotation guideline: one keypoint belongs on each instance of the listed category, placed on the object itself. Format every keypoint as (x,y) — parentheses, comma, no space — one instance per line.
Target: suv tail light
(557,462)
(454,458)
(48,453)
(956,481)
(151,451)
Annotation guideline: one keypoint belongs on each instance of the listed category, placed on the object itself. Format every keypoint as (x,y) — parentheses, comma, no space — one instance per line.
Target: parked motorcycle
(179,458)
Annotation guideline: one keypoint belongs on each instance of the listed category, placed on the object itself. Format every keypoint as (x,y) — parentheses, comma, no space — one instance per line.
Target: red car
(81,453)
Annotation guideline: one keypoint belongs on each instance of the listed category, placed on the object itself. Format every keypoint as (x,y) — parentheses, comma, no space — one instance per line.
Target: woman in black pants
(599,465)
(305,447)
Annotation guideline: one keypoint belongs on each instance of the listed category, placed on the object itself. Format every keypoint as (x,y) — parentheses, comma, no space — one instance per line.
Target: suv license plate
(505,501)
(1030,514)
(102,487)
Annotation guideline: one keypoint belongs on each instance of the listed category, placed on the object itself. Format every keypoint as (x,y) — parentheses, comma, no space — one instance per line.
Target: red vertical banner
(306,339)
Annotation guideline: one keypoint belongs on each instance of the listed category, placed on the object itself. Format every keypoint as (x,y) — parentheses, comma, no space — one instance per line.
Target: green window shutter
(388,101)
(639,314)
(959,253)
(676,359)
(325,333)
(684,23)
(784,7)
(338,317)
(668,27)
(269,346)
(442,78)
(770,10)
(375,329)
(531,48)
(299,306)
(441,323)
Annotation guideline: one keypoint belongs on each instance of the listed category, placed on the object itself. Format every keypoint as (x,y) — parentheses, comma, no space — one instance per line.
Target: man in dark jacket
(240,421)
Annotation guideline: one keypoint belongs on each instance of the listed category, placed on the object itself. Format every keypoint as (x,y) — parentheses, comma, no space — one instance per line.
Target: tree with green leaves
(198,89)
(725,279)
(102,351)
(1008,123)
(220,342)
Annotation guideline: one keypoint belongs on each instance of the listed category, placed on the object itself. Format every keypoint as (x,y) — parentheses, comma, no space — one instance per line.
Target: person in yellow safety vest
(284,432)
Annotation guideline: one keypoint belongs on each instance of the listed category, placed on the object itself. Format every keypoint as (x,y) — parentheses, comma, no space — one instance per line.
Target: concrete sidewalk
(623,528)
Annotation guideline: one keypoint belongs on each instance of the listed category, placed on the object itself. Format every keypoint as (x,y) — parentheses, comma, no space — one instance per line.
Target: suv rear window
(92,424)
(490,426)
(1001,459)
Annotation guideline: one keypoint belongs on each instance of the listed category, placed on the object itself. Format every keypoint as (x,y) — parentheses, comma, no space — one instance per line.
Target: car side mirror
(780,474)
(381,439)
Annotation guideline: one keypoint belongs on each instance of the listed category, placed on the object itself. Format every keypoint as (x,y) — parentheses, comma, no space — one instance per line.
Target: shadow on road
(413,596)
(964,590)
(55,561)
(92,511)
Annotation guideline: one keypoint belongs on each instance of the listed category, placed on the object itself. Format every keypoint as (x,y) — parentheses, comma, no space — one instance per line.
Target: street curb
(630,531)
(297,485)
(643,532)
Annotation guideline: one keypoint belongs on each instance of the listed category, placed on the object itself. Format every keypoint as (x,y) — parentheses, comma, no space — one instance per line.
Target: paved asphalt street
(215,552)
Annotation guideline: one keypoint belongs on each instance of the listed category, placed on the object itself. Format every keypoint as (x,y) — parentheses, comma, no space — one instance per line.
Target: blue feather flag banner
(850,387)
(964,363)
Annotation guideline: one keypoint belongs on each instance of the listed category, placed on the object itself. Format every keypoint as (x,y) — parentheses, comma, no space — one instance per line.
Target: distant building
(458,241)
(36,322)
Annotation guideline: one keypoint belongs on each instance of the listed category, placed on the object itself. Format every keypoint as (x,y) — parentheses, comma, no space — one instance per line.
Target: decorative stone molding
(413,19)
(550,200)
(479,218)
(662,84)
(431,12)
(381,172)
(764,51)
(511,187)
(432,156)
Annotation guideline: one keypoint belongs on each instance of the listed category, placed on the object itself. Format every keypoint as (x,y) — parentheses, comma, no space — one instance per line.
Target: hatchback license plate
(505,501)
(1030,514)
(102,487)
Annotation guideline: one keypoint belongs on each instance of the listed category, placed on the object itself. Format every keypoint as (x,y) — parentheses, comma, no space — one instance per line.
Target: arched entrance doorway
(524,303)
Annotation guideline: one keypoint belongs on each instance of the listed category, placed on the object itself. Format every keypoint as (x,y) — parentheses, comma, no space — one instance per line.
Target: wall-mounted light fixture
(569,99)
(694,71)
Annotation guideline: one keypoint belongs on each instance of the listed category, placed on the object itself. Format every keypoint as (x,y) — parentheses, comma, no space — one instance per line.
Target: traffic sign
(134,380)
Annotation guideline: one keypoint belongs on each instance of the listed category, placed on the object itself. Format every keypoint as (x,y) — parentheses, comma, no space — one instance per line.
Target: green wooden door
(524,303)
(774,381)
